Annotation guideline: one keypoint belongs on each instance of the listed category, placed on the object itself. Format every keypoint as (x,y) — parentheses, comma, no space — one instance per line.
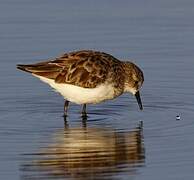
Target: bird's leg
(84,113)
(66,104)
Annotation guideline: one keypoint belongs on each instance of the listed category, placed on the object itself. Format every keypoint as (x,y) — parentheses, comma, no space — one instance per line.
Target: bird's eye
(136,82)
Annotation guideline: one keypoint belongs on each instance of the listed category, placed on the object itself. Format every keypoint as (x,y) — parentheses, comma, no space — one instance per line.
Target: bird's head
(133,81)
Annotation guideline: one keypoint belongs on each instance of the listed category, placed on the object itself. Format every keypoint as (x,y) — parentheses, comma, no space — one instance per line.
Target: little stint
(85,77)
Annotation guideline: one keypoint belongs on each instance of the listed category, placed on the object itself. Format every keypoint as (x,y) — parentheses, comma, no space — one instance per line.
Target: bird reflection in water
(88,153)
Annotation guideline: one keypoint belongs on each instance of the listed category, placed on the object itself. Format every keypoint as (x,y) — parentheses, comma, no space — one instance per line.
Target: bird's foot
(84,115)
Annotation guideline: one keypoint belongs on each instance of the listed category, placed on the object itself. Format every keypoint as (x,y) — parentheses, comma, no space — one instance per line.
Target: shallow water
(112,144)
(87,153)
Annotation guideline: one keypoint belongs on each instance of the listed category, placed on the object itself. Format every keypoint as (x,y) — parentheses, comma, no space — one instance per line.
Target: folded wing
(82,68)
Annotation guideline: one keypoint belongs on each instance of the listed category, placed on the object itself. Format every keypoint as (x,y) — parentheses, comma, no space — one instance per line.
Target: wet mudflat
(112,143)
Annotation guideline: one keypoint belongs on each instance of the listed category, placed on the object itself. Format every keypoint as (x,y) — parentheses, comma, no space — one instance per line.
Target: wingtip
(22,67)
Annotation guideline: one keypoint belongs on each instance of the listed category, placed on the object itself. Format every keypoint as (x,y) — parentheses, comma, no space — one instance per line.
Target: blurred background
(112,143)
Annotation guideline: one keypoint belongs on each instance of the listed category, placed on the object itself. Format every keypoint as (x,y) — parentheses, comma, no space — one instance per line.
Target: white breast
(81,95)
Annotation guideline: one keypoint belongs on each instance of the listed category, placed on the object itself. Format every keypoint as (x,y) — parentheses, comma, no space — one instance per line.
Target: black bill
(137,95)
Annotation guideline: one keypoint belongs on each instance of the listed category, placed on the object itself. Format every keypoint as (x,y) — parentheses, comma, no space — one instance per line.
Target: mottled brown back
(81,68)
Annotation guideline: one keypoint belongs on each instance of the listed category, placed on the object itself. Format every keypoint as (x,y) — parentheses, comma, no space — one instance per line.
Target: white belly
(81,95)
